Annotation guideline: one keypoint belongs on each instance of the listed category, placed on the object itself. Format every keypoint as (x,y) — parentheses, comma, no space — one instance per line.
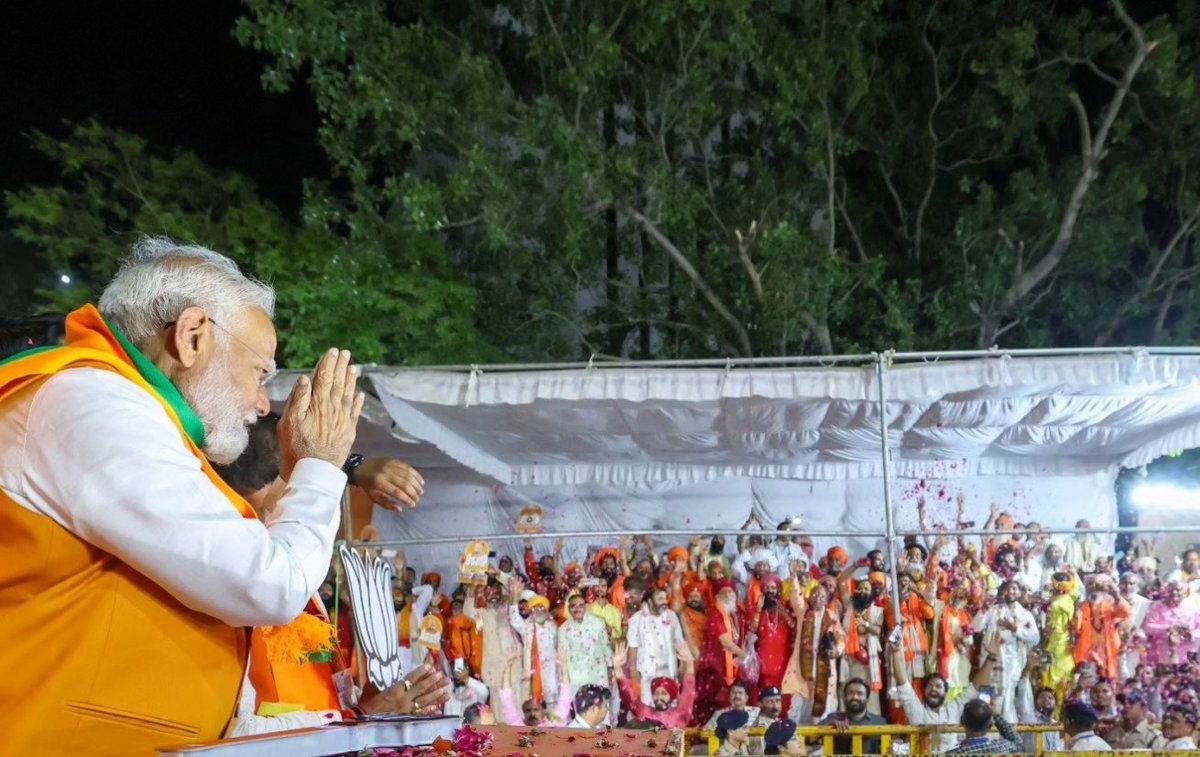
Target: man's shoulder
(93,388)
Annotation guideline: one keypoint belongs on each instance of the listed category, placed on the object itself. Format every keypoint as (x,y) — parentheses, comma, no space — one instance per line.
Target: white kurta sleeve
(103,459)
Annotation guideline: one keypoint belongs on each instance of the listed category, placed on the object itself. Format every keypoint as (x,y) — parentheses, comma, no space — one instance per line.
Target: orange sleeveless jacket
(97,658)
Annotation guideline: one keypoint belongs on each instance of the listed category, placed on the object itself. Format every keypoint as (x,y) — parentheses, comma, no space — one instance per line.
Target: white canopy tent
(701,446)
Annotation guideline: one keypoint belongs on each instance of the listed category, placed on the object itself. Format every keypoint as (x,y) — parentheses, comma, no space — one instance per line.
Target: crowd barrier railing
(917,737)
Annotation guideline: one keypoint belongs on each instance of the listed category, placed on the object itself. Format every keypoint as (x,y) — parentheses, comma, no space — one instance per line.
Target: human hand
(862,562)
(423,691)
(995,511)
(387,481)
(682,651)
(620,652)
(320,419)
(841,726)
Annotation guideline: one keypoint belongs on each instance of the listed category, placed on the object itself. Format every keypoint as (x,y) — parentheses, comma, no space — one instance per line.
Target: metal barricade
(917,737)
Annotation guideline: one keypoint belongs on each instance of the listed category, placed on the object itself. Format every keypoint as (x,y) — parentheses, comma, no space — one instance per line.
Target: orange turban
(837,553)
(430,578)
(676,554)
(1005,521)
(690,587)
(538,601)
(877,577)
(607,552)
(572,568)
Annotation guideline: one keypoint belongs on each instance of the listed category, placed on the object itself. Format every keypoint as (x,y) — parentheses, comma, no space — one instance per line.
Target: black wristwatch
(351,465)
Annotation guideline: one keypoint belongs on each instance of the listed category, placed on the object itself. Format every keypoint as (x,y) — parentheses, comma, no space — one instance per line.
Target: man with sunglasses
(132,570)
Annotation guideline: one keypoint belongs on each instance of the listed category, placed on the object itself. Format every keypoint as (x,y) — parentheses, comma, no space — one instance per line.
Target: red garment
(715,670)
(774,646)
(679,716)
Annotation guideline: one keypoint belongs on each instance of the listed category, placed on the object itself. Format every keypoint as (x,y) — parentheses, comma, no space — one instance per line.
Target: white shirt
(654,637)
(462,697)
(1181,744)
(1087,742)
(746,560)
(916,712)
(785,554)
(100,457)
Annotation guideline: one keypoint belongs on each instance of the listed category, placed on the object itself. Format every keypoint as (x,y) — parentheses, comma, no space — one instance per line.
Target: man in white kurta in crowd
(755,554)
(465,692)
(1131,628)
(584,650)
(785,551)
(411,656)
(539,643)
(1081,550)
(1017,632)
(103,461)
(652,634)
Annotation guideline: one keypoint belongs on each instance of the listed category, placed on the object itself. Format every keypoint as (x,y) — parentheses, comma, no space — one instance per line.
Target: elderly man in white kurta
(1017,632)
(653,631)
(583,647)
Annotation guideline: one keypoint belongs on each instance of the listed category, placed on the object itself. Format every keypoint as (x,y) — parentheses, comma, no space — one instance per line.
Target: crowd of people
(149,593)
(1016,629)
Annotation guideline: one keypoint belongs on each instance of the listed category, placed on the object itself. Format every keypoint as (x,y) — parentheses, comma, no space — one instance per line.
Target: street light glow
(65,279)
(1166,496)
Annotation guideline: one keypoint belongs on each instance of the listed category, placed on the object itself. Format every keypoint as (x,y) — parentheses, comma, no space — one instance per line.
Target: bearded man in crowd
(721,651)
(1017,632)
(653,632)
(773,623)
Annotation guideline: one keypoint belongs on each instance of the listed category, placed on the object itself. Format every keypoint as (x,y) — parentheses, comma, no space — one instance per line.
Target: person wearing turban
(1097,626)
(915,616)
(862,619)
(688,602)
(954,636)
(773,624)
(819,641)
(1060,623)
(539,641)
(722,649)
(668,705)
(835,560)
(676,555)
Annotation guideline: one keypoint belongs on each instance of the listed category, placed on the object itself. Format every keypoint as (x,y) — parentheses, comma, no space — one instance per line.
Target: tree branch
(697,280)
(1094,150)
(744,243)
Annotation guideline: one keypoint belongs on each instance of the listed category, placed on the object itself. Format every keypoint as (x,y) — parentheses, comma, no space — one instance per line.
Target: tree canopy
(537,179)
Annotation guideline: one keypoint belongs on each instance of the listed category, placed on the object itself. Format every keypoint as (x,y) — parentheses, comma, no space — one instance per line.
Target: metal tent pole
(888,514)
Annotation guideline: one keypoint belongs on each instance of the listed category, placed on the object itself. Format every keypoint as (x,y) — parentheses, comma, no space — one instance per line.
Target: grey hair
(161,278)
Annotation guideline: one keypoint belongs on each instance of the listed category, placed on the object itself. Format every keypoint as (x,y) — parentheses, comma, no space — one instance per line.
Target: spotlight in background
(1166,496)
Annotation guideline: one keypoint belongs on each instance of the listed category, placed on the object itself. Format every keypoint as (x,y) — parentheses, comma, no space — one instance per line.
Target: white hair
(161,278)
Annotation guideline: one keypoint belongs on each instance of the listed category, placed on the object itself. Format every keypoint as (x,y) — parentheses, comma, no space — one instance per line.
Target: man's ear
(192,337)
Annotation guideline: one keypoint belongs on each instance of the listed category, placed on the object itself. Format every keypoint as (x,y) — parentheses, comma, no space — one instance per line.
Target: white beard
(213,397)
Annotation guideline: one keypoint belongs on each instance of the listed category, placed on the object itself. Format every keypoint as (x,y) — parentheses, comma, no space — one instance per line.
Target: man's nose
(262,403)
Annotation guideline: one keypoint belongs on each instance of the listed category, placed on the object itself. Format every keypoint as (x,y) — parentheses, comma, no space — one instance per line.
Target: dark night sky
(167,70)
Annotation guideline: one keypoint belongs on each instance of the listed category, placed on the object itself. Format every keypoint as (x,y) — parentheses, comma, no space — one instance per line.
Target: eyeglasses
(268,368)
